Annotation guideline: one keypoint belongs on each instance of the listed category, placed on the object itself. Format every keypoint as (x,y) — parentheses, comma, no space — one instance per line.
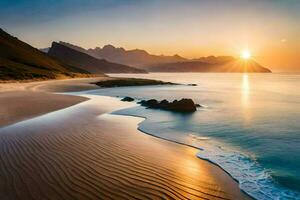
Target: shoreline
(163,144)
(184,144)
(199,149)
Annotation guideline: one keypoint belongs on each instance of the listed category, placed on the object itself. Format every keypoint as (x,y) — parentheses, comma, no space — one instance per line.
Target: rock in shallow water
(183,105)
(127,99)
(198,105)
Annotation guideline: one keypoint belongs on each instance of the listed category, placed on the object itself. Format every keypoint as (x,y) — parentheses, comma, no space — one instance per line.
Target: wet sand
(81,152)
(20,105)
(20,101)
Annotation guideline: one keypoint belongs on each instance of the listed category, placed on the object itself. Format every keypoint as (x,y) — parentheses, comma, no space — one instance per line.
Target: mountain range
(86,62)
(153,63)
(135,58)
(231,65)
(20,61)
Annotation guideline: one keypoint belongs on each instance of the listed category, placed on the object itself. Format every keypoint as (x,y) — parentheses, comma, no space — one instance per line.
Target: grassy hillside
(20,61)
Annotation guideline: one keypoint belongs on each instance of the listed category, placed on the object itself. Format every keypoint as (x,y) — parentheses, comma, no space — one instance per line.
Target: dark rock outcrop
(129,99)
(122,82)
(152,103)
(183,105)
(198,105)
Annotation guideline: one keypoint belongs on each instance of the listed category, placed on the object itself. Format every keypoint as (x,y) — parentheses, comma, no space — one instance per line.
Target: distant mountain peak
(108,46)
(72,46)
(134,57)
(80,58)
(178,56)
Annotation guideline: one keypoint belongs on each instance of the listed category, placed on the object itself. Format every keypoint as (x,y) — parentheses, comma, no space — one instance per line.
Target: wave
(252,178)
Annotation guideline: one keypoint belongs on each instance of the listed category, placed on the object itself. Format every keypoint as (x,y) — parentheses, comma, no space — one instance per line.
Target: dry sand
(81,152)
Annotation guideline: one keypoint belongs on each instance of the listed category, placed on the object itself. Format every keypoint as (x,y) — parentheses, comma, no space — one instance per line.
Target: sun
(246,55)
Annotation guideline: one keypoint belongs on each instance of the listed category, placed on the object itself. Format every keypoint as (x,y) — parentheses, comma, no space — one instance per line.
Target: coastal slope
(20,61)
(87,62)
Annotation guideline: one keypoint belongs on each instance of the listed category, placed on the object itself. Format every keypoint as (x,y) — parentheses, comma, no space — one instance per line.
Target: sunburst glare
(246,54)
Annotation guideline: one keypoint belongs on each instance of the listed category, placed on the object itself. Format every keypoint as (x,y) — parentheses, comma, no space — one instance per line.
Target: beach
(57,146)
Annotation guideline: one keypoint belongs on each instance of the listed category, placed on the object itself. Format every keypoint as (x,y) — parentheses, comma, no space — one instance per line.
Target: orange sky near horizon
(270,29)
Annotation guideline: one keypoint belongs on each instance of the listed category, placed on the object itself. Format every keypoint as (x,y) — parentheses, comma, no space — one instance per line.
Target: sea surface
(249,125)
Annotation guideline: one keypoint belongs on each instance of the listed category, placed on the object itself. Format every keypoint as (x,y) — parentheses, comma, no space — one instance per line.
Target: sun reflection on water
(245,88)
(245,94)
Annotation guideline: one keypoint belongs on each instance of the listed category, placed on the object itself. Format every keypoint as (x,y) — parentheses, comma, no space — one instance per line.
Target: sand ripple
(85,157)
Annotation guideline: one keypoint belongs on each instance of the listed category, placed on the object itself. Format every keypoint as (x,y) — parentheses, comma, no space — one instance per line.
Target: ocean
(249,124)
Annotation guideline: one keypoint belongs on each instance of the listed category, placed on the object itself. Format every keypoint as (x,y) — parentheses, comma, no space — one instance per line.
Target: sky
(269,29)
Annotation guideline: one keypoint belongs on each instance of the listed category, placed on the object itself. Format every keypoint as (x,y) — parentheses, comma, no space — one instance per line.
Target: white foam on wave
(252,178)
(196,137)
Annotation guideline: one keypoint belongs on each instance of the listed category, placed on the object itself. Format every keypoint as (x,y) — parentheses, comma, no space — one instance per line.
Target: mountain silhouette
(78,58)
(212,64)
(20,61)
(152,63)
(136,58)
